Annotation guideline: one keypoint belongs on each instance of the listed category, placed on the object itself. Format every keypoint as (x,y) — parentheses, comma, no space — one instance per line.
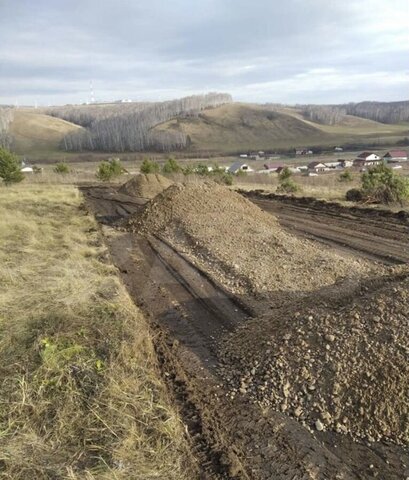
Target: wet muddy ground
(233,438)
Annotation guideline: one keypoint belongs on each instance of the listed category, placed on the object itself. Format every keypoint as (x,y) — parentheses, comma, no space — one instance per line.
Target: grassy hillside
(35,132)
(235,127)
(229,128)
(81,394)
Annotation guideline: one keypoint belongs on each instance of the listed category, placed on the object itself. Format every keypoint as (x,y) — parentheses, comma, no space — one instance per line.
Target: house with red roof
(396,156)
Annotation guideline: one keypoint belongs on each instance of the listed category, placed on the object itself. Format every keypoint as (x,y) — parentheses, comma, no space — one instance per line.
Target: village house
(367,159)
(290,168)
(332,165)
(273,167)
(239,167)
(396,156)
(346,163)
(317,167)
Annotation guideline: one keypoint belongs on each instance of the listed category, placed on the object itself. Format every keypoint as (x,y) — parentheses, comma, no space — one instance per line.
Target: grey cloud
(150,49)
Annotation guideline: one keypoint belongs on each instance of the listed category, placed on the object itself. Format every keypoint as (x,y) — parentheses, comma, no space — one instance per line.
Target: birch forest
(383,112)
(129,127)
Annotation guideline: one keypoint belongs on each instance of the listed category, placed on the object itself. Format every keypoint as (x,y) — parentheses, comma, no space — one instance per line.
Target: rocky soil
(242,246)
(145,185)
(334,364)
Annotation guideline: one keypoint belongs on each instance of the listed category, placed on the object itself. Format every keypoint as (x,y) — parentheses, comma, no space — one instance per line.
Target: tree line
(383,112)
(129,127)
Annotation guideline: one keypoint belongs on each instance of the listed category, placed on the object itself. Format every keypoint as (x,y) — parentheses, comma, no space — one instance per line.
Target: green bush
(109,169)
(188,170)
(346,176)
(287,186)
(10,170)
(202,169)
(149,166)
(381,184)
(285,174)
(62,168)
(171,166)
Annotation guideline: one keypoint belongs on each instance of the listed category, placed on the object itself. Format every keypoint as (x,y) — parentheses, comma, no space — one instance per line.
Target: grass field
(80,391)
(226,129)
(37,133)
(242,127)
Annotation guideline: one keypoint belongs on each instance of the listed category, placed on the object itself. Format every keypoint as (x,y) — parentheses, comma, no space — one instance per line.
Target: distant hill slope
(35,132)
(238,126)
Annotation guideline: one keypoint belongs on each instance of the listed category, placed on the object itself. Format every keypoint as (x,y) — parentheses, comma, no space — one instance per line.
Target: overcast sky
(291,51)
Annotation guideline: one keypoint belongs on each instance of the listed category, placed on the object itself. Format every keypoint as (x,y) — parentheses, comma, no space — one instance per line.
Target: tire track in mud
(381,239)
(233,439)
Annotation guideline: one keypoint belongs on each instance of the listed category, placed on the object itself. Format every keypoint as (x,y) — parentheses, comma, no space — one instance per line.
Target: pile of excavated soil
(145,185)
(334,365)
(240,245)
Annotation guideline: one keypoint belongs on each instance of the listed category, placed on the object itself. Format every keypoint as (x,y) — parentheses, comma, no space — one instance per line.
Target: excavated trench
(188,311)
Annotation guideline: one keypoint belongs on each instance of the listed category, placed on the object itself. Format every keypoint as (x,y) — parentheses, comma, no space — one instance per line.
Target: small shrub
(285,174)
(354,195)
(171,166)
(109,169)
(188,170)
(287,186)
(149,166)
(346,176)
(202,169)
(381,184)
(10,170)
(62,168)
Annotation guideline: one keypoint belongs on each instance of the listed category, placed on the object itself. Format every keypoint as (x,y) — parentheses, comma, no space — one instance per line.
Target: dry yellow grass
(80,392)
(36,132)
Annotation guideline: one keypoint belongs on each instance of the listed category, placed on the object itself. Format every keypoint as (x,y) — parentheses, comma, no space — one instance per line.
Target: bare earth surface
(213,325)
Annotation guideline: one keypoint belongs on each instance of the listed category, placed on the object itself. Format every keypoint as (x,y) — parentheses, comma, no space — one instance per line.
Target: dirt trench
(232,438)
(375,234)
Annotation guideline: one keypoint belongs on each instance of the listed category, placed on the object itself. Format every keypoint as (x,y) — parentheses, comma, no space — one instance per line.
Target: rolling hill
(228,128)
(236,126)
(35,132)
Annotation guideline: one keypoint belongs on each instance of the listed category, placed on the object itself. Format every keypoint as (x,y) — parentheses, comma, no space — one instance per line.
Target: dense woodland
(384,112)
(129,127)
(6,117)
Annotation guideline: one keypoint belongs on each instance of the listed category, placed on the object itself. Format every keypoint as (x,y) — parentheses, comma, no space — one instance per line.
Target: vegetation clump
(109,169)
(286,183)
(171,166)
(62,168)
(10,170)
(149,166)
(381,184)
(354,195)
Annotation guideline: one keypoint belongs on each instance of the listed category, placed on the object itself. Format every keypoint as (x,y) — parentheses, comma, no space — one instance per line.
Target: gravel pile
(145,185)
(338,365)
(240,245)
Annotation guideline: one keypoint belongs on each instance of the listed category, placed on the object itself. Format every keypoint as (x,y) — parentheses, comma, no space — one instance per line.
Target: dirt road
(232,438)
(368,233)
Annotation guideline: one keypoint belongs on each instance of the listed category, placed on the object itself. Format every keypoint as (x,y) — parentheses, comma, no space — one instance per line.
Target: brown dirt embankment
(241,246)
(337,363)
(145,185)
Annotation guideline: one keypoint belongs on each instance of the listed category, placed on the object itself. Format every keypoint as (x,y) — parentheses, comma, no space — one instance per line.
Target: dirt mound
(239,244)
(342,365)
(145,185)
